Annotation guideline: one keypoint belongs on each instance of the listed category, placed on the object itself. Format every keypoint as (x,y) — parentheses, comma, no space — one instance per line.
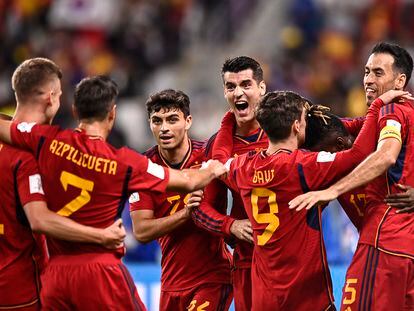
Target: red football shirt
(85,178)
(289,257)
(20,184)
(190,256)
(207,215)
(354,204)
(383,228)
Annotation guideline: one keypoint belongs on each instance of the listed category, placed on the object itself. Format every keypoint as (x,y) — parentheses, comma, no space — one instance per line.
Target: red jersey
(383,228)
(208,217)
(190,256)
(20,184)
(85,178)
(354,204)
(289,262)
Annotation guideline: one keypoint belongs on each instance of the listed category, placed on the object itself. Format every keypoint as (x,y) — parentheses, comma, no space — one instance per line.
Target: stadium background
(315,47)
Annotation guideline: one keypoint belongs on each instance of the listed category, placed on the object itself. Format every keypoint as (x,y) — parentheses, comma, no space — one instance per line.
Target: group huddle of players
(273,151)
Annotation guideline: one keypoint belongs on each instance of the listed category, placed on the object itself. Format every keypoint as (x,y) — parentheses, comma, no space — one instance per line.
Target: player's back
(85,178)
(289,257)
(20,254)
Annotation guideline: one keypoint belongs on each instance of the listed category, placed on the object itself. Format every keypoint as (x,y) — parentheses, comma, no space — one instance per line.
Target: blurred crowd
(324,46)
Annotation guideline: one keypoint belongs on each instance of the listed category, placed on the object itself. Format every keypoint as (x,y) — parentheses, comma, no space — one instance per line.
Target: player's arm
(147,227)
(42,220)
(403,200)
(373,166)
(211,215)
(5,131)
(223,143)
(353,126)
(189,180)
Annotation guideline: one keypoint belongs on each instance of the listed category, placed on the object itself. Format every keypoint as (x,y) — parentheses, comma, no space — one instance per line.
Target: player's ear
(262,87)
(400,81)
(188,122)
(112,113)
(296,127)
(340,143)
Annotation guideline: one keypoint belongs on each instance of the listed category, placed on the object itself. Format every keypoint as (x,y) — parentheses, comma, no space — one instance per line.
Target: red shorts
(242,289)
(378,281)
(19,286)
(88,282)
(204,297)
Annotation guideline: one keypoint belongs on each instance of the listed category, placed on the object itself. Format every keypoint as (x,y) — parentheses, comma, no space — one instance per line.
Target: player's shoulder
(152,153)
(13,155)
(198,149)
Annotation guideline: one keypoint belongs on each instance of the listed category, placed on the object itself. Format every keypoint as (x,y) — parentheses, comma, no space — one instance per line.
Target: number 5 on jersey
(86,186)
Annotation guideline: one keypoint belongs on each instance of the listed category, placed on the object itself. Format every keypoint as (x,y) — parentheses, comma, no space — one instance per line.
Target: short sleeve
(29,181)
(141,200)
(391,123)
(29,135)
(147,175)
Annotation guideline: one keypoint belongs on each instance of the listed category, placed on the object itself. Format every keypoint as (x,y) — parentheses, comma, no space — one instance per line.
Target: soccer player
(289,270)
(243,88)
(380,275)
(22,208)
(89,181)
(195,264)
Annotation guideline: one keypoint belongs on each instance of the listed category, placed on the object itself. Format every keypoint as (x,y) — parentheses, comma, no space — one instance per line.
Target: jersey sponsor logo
(324,156)
(35,184)
(155,170)
(88,161)
(134,198)
(25,127)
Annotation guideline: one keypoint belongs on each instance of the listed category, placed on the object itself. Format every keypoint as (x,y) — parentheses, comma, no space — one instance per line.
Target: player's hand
(242,229)
(312,198)
(395,96)
(404,200)
(194,201)
(114,235)
(216,167)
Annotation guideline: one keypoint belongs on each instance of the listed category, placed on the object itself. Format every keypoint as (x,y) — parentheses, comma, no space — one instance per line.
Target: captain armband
(391,130)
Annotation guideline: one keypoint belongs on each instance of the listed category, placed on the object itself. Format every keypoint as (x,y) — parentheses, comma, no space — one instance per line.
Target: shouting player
(289,270)
(243,88)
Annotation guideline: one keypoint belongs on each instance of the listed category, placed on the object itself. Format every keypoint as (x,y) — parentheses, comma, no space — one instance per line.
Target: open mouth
(241,106)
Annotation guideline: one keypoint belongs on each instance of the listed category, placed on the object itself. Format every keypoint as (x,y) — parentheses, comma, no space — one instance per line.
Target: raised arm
(223,142)
(373,166)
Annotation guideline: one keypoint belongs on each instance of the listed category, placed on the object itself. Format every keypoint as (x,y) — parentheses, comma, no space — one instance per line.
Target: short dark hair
(241,63)
(403,62)
(277,111)
(168,99)
(95,97)
(31,74)
(319,130)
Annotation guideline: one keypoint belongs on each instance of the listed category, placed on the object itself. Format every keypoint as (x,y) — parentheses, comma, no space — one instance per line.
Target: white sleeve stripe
(155,170)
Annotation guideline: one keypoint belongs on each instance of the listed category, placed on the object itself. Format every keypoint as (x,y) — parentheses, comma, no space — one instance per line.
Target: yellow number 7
(83,198)
(265,218)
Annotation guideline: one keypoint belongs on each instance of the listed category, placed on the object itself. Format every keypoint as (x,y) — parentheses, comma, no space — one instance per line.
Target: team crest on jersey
(25,127)
(35,184)
(134,197)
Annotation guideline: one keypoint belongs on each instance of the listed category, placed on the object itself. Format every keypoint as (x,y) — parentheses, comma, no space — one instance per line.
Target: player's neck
(30,113)
(244,129)
(95,128)
(288,144)
(176,155)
